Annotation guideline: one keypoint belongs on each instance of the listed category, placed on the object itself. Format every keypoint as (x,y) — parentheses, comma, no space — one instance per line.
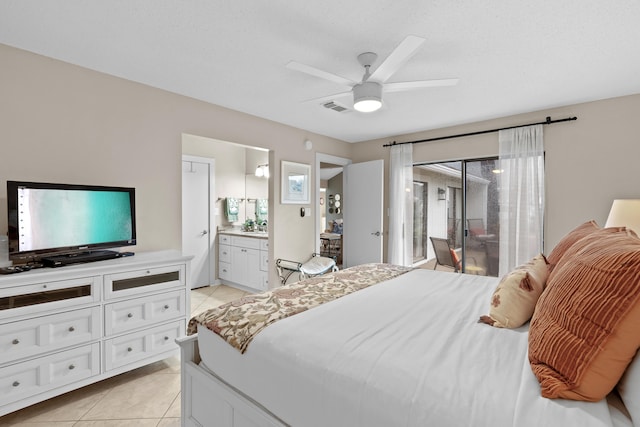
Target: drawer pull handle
(148,272)
(15,341)
(72,367)
(129,349)
(166,306)
(16,383)
(45,286)
(166,338)
(130,315)
(71,329)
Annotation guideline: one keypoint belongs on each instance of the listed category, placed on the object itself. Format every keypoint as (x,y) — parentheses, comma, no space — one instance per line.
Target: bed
(405,351)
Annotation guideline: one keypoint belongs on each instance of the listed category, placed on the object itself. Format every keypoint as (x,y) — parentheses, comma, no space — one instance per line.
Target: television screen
(61,218)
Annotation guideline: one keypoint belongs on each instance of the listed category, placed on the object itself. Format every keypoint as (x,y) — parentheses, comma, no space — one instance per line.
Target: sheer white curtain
(401,205)
(521,191)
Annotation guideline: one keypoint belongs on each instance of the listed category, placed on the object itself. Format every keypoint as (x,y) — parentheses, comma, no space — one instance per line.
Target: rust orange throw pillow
(567,241)
(584,331)
(515,297)
(456,259)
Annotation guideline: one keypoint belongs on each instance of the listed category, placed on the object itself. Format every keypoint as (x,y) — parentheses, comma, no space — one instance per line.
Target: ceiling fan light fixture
(367,97)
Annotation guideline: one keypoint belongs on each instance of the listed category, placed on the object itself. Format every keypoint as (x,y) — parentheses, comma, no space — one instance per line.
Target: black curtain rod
(548,121)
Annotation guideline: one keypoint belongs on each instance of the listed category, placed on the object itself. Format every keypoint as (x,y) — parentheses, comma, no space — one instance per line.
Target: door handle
(377,234)
(204,232)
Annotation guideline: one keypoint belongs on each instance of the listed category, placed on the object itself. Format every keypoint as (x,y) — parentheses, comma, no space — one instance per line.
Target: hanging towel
(232,208)
(262,210)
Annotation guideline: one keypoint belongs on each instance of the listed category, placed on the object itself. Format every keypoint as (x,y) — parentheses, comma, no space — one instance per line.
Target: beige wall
(63,123)
(589,162)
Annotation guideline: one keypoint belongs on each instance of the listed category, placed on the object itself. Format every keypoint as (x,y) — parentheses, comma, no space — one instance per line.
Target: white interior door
(197,240)
(362,212)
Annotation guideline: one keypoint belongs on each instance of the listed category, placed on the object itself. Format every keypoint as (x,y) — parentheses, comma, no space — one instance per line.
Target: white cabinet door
(238,263)
(253,278)
(245,267)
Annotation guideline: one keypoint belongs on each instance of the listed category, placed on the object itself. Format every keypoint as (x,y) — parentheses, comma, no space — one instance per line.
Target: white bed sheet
(407,352)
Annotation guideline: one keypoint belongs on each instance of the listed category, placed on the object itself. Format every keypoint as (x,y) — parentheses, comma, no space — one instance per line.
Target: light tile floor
(145,397)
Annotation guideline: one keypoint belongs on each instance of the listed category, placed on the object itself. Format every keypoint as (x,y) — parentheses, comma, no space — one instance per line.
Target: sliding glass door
(461,206)
(481,216)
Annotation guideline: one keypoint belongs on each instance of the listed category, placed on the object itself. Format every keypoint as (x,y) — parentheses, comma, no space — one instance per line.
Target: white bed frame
(207,400)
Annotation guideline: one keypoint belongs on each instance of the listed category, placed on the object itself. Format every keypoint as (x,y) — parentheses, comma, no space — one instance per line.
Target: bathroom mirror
(256,185)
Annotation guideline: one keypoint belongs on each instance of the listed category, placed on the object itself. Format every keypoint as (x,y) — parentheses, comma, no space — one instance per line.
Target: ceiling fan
(367,94)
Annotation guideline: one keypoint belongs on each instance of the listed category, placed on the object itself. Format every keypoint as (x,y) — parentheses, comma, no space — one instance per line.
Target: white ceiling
(510,56)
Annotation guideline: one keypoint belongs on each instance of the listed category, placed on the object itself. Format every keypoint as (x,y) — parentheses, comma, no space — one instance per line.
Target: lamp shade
(367,97)
(625,213)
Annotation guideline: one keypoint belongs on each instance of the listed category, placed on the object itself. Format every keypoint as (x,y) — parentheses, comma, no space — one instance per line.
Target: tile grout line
(95,404)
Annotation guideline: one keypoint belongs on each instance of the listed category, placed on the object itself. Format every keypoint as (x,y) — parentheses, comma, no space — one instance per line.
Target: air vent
(332,105)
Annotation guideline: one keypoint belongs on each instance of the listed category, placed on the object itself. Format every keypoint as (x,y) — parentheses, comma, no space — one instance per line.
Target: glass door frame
(425,214)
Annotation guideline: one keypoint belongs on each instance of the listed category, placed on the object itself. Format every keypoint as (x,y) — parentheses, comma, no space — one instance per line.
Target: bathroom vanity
(243,259)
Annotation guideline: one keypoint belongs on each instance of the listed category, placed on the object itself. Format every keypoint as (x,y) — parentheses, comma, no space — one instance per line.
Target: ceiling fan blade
(316,72)
(420,84)
(400,55)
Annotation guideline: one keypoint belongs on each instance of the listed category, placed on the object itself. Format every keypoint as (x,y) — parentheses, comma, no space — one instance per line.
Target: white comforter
(408,352)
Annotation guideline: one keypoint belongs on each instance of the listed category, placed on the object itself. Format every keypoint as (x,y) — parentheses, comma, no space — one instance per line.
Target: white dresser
(243,260)
(64,328)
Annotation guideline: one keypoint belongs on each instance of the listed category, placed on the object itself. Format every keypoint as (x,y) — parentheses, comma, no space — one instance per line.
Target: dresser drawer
(224,239)
(264,261)
(138,282)
(224,253)
(139,345)
(29,378)
(36,297)
(41,334)
(264,244)
(135,313)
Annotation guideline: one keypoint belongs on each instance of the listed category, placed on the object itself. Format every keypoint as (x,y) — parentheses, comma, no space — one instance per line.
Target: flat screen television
(47,219)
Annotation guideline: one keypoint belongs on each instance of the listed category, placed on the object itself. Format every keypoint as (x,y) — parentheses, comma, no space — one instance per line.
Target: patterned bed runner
(240,320)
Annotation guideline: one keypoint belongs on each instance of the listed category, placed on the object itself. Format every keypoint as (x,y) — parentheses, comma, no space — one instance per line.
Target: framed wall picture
(296,183)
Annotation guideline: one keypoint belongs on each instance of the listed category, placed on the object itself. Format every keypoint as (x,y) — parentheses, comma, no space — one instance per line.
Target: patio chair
(477,231)
(448,257)
(445,255)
